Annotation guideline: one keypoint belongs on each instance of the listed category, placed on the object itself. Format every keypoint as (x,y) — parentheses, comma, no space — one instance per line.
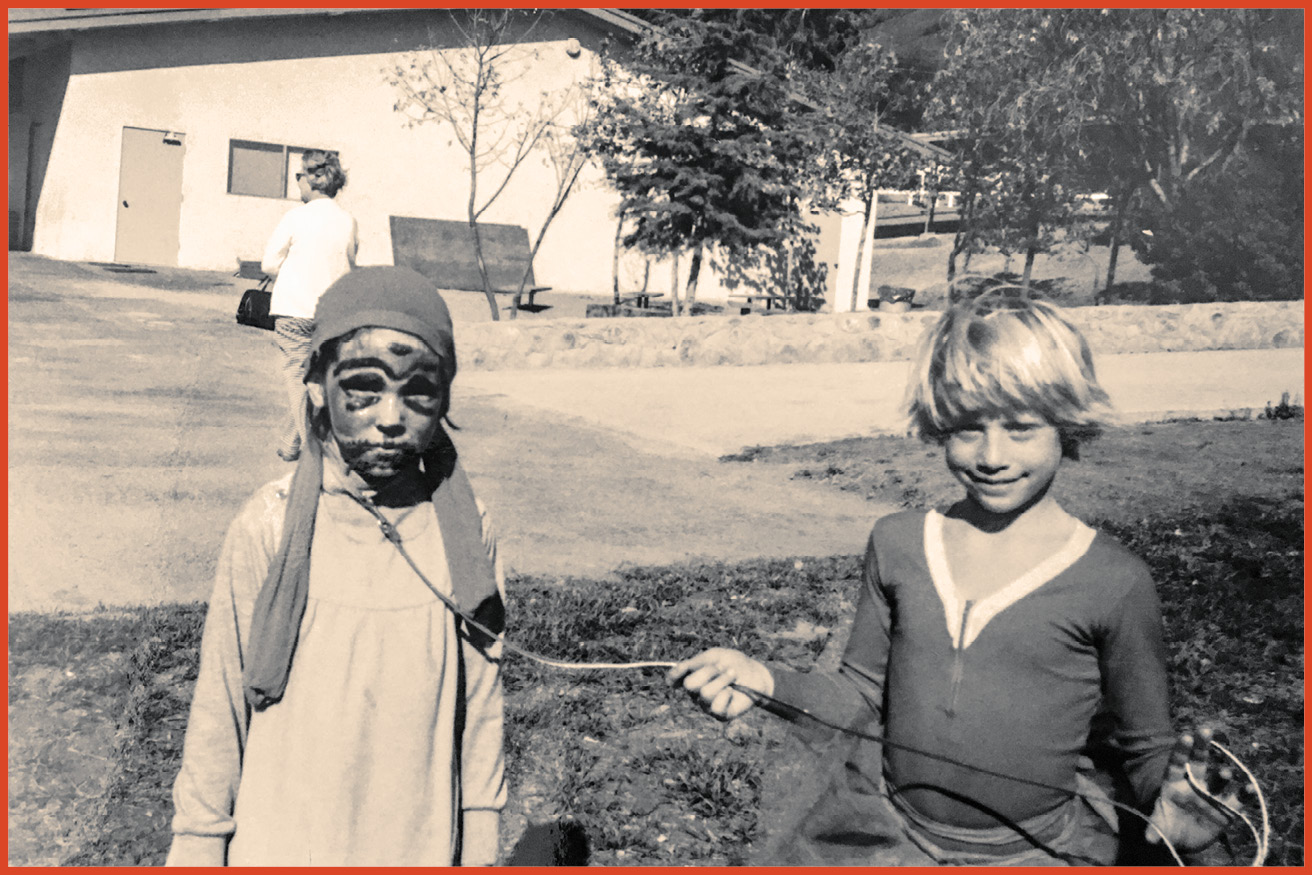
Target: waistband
(999,841)
(1006,844)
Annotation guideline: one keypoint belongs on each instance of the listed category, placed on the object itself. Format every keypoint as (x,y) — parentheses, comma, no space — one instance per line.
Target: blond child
(342,714)
(1003,637)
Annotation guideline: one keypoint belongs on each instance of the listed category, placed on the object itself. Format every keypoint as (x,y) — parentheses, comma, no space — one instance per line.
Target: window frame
(235,143)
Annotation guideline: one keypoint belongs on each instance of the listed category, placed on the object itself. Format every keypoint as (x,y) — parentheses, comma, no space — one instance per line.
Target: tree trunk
(861,273)
(615,261)
(694,271)
(961,240)
(1113,250)
(1114,238)
(929,217)
(1030,252)
(482,271)
(790,299)
(676,304)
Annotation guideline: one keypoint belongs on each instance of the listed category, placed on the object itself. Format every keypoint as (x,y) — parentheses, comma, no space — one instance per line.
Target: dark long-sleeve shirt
(1011,683)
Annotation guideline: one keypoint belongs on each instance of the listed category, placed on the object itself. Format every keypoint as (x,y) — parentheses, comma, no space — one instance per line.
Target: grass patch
(1129,473)
(1216,509)
(920,263)
(80,686)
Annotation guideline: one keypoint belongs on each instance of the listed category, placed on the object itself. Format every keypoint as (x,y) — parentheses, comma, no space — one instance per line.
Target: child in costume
(343,715)
(1002,634)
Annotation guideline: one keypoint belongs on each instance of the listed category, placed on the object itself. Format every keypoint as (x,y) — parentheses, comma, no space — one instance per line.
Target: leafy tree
(1151,105)
(468,88)
(1022,130)
(812,39)
(1236,235)
(855,154)
(1178,95)
(698,145)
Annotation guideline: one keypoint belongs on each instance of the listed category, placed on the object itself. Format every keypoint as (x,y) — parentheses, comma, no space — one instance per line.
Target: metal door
(20,138)
(149,197)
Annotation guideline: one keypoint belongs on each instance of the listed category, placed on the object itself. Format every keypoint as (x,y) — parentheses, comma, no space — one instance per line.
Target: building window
(16,82)
(264,169)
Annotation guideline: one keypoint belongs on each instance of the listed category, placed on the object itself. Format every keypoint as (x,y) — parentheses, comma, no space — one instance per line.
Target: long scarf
(280,605)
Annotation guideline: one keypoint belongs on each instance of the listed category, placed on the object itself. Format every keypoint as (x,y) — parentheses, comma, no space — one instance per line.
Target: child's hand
(708,675)
(1188,819)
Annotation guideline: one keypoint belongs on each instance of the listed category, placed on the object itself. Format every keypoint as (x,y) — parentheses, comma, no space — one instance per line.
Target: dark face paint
(384,396)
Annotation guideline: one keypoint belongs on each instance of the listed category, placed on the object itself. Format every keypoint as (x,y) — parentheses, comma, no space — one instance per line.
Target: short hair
(998,355)
(324,171)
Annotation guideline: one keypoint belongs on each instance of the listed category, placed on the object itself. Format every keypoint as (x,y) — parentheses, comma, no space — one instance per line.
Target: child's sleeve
(855,692)
(1133,665)
(206,786)
(482,774)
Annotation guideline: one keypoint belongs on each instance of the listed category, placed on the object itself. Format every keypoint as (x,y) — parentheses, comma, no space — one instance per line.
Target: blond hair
(1000,356)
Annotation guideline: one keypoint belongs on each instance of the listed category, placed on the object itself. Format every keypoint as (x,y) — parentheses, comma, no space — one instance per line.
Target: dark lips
(380,455)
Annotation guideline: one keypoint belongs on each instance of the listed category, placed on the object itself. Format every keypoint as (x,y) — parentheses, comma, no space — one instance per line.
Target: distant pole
(867,256)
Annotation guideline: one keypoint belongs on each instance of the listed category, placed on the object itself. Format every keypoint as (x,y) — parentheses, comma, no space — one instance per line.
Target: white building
(171,136)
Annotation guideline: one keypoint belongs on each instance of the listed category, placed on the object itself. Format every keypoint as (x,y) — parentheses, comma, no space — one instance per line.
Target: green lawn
(1216,508)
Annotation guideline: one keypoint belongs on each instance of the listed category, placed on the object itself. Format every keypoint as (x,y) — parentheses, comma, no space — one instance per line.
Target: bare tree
(469,87)
(567,157)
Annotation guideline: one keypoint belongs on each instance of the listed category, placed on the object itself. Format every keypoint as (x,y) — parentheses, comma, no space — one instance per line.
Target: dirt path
(141,418)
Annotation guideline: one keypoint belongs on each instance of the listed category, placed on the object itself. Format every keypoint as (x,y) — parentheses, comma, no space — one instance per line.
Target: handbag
(253,310)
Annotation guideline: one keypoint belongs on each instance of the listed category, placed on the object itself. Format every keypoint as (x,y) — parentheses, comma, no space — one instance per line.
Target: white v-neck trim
(986,609)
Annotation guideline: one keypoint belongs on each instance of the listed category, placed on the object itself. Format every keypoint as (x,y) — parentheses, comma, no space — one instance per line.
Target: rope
(1263,838)
(390,532)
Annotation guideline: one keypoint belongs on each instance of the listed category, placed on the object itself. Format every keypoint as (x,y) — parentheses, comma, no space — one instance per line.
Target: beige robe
(360,762)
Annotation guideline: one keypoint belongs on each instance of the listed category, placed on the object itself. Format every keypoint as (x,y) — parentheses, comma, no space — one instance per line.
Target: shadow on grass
(651,779)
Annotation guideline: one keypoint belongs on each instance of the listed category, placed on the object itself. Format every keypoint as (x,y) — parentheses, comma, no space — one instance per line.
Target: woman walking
(312,247)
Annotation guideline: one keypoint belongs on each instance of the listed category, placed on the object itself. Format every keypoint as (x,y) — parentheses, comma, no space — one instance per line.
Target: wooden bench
(443,251)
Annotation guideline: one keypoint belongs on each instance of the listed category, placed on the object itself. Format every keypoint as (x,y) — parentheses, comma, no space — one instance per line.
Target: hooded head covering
(386,297)
(369,297)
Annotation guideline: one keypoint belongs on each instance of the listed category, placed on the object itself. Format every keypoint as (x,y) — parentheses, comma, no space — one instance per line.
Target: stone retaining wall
(850,337)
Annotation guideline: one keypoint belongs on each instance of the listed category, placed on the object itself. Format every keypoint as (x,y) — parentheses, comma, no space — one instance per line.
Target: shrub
(1235,237)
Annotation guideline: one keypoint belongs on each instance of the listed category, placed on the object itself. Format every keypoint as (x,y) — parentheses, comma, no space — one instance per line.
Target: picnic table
(641,300)
(772,300)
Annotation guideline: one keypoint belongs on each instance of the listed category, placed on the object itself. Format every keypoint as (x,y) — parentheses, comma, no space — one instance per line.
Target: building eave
(44,20)
(35,21)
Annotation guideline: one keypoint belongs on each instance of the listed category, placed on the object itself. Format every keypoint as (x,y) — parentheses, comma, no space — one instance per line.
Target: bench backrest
(443,251)
(249,269)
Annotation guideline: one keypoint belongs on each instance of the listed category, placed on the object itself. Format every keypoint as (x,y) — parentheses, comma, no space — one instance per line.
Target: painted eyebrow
(361,363)
(367,362)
